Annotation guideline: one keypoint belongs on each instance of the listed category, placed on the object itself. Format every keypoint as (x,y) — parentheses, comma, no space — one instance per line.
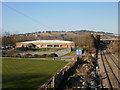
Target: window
(60,45)
(49,45)
(56,45)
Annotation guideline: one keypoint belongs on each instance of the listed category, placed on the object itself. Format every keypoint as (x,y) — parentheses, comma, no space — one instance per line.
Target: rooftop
(48,41)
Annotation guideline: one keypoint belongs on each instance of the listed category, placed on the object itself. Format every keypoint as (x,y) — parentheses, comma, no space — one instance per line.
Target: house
(47,44)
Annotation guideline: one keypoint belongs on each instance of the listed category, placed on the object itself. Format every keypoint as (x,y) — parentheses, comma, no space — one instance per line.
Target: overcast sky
(24,17)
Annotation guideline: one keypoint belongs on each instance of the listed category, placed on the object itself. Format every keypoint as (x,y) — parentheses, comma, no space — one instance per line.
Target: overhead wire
(27,16)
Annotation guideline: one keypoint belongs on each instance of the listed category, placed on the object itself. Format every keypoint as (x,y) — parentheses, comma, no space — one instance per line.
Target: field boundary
(55,81)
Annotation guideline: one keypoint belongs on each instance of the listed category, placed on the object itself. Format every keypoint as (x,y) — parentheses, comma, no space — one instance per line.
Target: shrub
(3,53)
(44,55)
(53,55)
(49,55)
(28,55)
(37,56)
(18,55)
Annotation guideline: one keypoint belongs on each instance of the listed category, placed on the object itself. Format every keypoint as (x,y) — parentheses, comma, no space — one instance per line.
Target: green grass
(25,73)
(71,53)
(40,49)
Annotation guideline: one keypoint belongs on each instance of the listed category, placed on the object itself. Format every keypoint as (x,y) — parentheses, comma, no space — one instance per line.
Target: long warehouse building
(46,44)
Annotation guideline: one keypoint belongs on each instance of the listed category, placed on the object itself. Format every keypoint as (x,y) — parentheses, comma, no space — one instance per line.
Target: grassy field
(71,53)
(25,73)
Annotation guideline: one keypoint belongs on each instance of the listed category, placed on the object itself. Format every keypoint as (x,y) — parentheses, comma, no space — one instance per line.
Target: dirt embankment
(83,75)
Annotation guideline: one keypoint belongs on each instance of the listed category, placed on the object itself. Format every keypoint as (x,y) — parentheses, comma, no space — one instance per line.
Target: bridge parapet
(110,40)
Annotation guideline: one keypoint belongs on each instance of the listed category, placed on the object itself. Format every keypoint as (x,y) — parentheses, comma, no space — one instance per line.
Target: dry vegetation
(115,47)
(81,39)
(82,73)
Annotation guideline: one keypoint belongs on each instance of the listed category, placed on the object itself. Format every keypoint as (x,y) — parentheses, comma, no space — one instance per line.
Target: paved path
(68,57)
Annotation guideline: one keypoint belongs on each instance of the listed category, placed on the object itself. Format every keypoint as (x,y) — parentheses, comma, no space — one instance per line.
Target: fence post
(53,81)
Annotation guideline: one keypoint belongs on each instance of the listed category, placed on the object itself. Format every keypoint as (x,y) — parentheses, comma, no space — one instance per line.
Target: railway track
(114,56)
(112,80)
(114,59)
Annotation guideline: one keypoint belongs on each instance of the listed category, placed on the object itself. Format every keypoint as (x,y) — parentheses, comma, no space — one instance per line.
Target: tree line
(81,40)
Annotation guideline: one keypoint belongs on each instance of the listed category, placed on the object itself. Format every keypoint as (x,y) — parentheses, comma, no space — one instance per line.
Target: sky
(27,17)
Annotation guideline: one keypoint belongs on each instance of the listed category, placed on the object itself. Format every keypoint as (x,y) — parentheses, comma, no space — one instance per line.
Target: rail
(110,84)
(111,77)
(114,60)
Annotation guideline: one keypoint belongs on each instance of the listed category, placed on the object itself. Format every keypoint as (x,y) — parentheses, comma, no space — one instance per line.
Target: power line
(27,16)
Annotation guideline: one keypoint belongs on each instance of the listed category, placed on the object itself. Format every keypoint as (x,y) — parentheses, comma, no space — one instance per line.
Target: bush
(49,55)
(37,56)
(44,55)
(31,56)
(3,53)
(28,55)
(18,55)
(53,55)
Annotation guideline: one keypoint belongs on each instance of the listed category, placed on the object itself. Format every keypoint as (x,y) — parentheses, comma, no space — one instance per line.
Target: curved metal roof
(48,41)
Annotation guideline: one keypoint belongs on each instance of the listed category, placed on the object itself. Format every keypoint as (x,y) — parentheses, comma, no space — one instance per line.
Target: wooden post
(53,81)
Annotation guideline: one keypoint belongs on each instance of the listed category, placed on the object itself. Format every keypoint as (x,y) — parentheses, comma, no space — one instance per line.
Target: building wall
(44,45)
